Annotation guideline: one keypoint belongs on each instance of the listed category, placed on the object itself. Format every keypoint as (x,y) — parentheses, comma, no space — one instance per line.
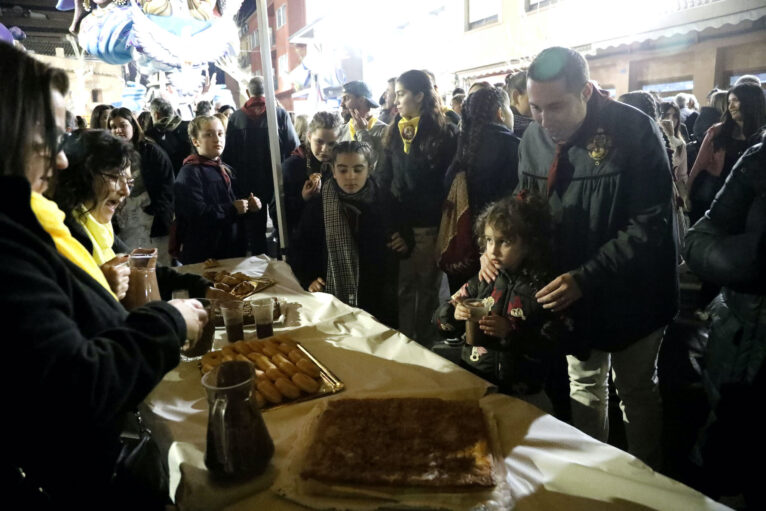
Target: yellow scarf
(370,124)
(408,129)
(101,235)
(52,220)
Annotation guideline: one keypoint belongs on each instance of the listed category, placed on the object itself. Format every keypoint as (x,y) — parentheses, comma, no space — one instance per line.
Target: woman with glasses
(144,220)
(94,186)
(78,363)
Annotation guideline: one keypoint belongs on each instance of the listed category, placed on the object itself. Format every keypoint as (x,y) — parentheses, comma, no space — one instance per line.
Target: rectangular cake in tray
(403,442)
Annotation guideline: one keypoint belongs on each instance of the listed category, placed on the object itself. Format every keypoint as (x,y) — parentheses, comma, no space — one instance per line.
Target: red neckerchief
(196,159)
(255,107)
(561,170)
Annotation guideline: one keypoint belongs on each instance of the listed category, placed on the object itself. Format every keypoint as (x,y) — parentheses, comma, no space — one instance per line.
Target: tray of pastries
(238,285)
(285,371)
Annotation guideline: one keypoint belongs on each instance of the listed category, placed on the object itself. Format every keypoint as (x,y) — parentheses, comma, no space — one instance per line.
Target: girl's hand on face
(494,325)
(241,206)
(397,244)
(488,272)
(462,313)
(317,285)
(117,273)
(253,203)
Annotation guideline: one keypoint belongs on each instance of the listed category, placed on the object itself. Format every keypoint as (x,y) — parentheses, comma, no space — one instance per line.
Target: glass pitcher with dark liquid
(142,283)
(238,444)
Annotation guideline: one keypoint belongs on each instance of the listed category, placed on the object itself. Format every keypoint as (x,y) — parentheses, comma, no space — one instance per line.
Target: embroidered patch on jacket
(598,146)
(477,352)
(514,308)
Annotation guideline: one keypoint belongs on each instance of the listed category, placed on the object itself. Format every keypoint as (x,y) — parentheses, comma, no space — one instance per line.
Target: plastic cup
(233,320)
(263,313)
(205,342)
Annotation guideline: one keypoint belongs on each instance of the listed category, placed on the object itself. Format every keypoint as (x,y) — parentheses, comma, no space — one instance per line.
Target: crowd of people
(567,213)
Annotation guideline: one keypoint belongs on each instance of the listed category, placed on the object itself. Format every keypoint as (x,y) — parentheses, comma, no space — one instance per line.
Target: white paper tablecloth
(550,465)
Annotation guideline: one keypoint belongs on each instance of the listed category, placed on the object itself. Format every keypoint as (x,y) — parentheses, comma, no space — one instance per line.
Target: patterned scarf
(101,235)
(370,124)
(340,210)
(51,218)
(408,129)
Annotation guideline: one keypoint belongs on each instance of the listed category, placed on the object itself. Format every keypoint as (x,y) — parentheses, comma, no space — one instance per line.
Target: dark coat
(173,137)
(495,171)
(518,364)
(613,219)
(727,247)
(247,151)
(378,265)
(77,361)
(294,174)
(168,279)
(208,223)
(158,177)
(415,179)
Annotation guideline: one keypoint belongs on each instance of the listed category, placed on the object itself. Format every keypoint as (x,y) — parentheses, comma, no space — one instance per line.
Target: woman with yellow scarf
(91,191)
(418,148)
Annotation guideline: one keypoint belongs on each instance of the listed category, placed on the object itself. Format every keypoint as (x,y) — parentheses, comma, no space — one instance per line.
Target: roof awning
(696,26)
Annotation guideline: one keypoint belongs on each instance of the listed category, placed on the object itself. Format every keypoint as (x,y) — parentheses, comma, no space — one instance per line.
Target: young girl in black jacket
(350,238)
(418,148)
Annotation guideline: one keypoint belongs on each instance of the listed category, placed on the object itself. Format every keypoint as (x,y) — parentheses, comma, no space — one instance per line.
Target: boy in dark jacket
(349,240)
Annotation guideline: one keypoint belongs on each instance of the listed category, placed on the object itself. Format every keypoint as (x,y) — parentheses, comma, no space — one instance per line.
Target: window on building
(481,12)
(534,5)
(669,88)
(254,40)
(281,16)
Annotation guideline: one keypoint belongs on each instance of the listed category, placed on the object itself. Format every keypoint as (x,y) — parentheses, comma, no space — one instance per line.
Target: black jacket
(378,265)
(247,151)
(157,174)
(173,137)
(519,363)
(294,174)
(208,224)
(416,179)
(613,219)
(727,247)
(77,361)
(495,171)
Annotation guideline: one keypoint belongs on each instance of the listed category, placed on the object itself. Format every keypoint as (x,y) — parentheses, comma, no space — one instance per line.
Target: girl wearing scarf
(349,239)
(207,209)
(418,147)
(309,166)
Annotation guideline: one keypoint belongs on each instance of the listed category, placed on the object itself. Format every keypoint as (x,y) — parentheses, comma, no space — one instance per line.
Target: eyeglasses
(118,179)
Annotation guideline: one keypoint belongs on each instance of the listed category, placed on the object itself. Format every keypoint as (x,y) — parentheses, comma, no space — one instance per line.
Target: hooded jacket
(172,135)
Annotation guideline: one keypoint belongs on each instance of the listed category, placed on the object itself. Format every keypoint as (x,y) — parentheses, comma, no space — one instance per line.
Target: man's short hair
(681,99)
(516,81)
(748,79)
(642,100)
(557,62)
(161,107)
(255,86)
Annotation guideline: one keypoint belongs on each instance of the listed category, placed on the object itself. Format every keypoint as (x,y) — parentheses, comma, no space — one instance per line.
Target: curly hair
(125,113)
(524,215)
(91,153)
(479,110)
(752,106)
(417,81)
